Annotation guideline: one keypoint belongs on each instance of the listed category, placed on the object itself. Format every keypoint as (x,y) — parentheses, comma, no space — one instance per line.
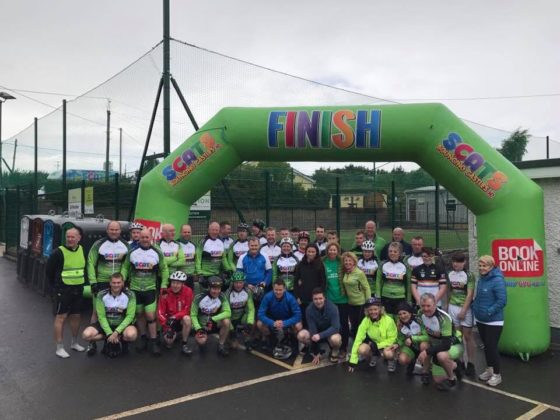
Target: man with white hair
(371,235)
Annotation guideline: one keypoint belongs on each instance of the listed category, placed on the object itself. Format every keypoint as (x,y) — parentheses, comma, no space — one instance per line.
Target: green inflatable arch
(508,205)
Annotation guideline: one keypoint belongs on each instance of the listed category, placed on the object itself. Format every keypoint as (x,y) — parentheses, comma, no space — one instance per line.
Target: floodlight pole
(166,80)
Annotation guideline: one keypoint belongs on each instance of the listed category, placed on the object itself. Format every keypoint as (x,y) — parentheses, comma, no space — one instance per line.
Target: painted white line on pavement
(531,414)
(209,392)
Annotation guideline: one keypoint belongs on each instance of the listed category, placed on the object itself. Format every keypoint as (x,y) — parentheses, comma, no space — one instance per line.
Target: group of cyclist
(284,294)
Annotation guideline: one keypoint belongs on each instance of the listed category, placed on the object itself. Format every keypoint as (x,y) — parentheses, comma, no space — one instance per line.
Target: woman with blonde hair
(488,309)
(356,288)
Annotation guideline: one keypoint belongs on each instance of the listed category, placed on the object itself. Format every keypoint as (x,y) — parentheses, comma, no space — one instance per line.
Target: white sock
(60,352)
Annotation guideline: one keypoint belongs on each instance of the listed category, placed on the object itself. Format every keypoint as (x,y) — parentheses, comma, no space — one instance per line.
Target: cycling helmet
(113,350)
(303,235)
(259,223)
(282,352)
(178,276)
(135,225)
(214,281)
(243,226)
(286,241)
(238,276)
(405,306)
(368,245)
(373,301)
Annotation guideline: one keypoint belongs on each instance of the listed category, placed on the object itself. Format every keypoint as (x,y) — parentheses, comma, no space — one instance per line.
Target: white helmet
(178,276)
(135,225)
(368,245)
(286,241)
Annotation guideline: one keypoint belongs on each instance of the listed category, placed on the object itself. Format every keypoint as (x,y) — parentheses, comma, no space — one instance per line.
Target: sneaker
(92,349)
(186,350)
(222,350)
(373,362)
(391,366)
(426,379)
(495,379)
(445,386)
(142,344)
(458,371)
(76,347)
(154,347)
(248,346)
(62,353)
(486,375)
(470,371)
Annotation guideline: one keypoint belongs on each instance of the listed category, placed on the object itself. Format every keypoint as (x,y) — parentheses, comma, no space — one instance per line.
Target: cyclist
(415,259)
(211,313)
(302,242)
(255,266)
(211,256)
(270,249)
(284,233)
(428,278)
(116,308)
(257,230)
(371,235)
(411,338)
(294,234)
(368,263)
(171,249)
(393,280)
(134,228)
(240,246)
(225,232)
(377,336)
(105,257)
(240,300)
(285,265)
(189,251)
(321,240)
(174,311)
(144,268)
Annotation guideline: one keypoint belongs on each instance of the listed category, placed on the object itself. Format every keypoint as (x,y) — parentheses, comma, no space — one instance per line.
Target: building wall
(425,208)
(551,188)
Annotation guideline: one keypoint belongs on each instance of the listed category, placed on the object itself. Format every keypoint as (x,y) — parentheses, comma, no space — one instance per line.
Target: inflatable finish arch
(508,205)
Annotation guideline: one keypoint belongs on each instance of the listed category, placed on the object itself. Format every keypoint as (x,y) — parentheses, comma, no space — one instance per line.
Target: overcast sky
(404,51)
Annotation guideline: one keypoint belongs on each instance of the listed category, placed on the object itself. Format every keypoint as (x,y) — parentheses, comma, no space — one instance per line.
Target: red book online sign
(518,257)
(153,226)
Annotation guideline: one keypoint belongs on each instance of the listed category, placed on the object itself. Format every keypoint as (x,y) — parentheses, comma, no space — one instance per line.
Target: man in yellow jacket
(377,336)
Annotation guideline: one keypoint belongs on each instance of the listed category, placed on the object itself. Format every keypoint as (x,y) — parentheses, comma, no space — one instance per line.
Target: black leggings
(490,335)
(344,327)
(355,314)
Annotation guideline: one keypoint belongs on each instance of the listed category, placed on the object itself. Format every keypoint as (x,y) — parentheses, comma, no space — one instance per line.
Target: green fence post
(267,196)
(437,213)
(393,199)
(117,197)
(83,196)
(337,204)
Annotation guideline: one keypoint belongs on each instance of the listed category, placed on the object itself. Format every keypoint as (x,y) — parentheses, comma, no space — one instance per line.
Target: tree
(515,146)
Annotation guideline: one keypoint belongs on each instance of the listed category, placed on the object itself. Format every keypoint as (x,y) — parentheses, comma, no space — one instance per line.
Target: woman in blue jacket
(488,309)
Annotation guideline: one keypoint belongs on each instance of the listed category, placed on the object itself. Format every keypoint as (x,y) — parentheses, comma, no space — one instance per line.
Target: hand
(408,342)
(251,287)
(394,347)
(461,315)
(298,301)
(113,338)
(315,337)
(422,357)
(351,367)
(316,359)
(279,324)
(262,284)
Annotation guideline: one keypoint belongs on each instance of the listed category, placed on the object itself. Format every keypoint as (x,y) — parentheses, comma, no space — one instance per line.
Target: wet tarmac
(35,384)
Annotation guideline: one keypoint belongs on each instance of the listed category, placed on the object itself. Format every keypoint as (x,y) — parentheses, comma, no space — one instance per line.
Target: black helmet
(113,349)
(405,306)
(259,223)
(215,281)
(243,226)
(373,301)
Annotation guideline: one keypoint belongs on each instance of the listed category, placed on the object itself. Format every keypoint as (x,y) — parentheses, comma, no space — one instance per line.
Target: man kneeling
(377,335)
(324,326)
(116,308)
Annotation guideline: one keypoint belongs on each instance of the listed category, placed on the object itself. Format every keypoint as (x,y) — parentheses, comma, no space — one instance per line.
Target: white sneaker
(62,353)
(486,375)
(495,380)
(77,347)
(373,361)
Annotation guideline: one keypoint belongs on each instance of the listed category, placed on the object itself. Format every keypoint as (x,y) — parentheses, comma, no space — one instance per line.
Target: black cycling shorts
(391,304)
(98,327)
(68,300)
(146,301)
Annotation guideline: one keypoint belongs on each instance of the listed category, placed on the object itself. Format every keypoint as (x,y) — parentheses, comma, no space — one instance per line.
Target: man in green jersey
(171,249)
(141,269)
(105,258)
(240,300)
(189,250)
(211,256)
(116,308)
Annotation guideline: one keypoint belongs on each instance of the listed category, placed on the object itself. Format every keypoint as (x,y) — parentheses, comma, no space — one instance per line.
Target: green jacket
(356,287)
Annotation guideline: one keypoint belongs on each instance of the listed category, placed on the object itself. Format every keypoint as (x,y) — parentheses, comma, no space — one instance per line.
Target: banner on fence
(88,200)
(74,202)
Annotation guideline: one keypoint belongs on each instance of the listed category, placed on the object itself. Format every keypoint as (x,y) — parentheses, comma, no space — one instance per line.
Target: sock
(59,346)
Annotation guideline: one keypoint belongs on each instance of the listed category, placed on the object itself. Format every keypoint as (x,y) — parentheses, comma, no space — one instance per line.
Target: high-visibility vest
(73,271)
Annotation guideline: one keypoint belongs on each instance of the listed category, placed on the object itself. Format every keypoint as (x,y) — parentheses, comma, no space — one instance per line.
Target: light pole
(4,96)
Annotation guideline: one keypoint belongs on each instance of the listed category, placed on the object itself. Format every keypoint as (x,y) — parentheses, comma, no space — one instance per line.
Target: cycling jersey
(262,239)
(105,258)
(393,281)
(271,251)
(369,267)
(438,331)
(142,267)
(205,308)
(236,250)
(211,257)
(227,242)
(172,254)
(414,260)
(428,279)
(241,304)
(257,269)
(189,251)
(284,268)
(299,254)
(115,313)
(357,251)
(412,329)
(175,305)
(322,245)
(132,245)
(460,282)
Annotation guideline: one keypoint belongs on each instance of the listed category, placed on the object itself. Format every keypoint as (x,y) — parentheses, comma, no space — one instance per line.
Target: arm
(442,290)
(262,312)
(364,285)
(275,270)
(379,281)
(101,315)
(92,258)
(470,292)
(267,272)
(422,337)
(225,313)
(198,258)
(311,324)
(194,315)
(226,266)
(54,264)
(500,295)
(125,269)
(444,344)
(334,321)
(414,286)
(250,309)
(163,270)
(162,310)
(186,294)
(407,284)
(130,313)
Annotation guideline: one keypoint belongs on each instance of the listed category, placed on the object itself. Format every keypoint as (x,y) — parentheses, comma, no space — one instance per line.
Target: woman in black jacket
(309,274)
